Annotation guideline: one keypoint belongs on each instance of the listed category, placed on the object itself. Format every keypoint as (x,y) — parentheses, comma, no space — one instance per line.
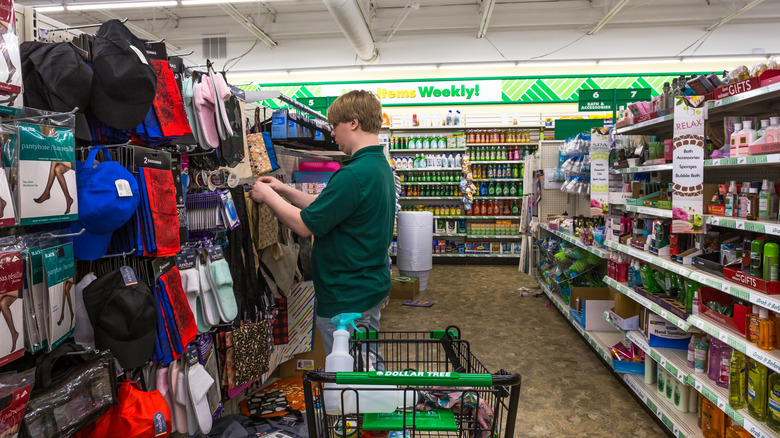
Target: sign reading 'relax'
(688,159)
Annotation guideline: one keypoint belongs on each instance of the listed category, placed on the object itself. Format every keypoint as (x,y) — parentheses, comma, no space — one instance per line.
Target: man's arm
(297,197)
(290,215)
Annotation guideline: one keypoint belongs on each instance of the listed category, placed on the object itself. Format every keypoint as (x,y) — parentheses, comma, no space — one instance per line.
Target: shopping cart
(432,368)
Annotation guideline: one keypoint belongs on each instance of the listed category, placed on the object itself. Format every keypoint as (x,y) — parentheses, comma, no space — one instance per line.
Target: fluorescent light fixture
(50,8)
(556,63)
(213,2)
(725,59)
(325,71)
(477,65)
(370,68)
(126,5)
(639,61)
(610,15)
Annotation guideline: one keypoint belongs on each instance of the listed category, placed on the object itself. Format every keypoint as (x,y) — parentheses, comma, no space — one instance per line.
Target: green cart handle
(414,378)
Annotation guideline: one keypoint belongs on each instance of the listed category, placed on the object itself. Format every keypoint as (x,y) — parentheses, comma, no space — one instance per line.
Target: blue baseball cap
(108,197)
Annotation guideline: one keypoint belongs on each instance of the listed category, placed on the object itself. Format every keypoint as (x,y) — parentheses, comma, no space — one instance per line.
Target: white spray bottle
(372,398)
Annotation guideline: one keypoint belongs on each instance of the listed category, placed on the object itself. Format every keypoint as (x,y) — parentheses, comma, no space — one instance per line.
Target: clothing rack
(83,26)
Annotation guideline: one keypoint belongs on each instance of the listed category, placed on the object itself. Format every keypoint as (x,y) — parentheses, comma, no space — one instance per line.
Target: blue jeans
(370,319)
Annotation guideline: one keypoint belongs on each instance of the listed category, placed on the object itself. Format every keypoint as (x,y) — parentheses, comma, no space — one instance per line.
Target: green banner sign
(611,99)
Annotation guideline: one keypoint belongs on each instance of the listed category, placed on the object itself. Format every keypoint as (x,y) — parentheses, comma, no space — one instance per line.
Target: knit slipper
(190,281)
(183,397)
(163,386)
(209,303)
(199,382)
(179,398)
(222,283)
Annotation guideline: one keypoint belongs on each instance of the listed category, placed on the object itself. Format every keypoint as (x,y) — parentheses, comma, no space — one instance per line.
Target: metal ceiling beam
(411,4)
(607,18)
(148,35)
(734,15)
(244,21)
(487,11)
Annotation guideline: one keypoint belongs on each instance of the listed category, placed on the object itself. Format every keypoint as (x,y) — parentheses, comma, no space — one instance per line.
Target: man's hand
(262,190)
(272,182)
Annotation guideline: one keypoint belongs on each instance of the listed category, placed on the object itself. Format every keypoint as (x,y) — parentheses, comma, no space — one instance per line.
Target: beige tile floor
(566,390)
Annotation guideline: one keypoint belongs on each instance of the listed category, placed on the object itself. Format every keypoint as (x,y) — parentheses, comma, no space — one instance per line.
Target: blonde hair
(357,104)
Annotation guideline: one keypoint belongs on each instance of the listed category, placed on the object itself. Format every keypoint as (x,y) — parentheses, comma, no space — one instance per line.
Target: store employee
(351,220)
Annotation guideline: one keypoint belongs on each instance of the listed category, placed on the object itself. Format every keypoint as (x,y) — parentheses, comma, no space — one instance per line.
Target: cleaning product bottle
(773,417)
(756,390)
(732,200)
(751,325)
(766,330)
(371,398)
(733,139)
(771,268)
(456,120)
(449,118)
(737,379)
(764,201)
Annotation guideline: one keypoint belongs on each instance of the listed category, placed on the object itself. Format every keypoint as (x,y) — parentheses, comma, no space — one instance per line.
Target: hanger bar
(83,26)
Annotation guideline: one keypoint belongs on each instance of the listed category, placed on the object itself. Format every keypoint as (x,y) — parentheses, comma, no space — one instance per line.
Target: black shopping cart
(446,390)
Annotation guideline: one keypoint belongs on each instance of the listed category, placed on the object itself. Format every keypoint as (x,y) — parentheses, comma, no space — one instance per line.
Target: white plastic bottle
(458,160)
(457,118)
(764,202)
(746,137)
(449,118)
(450,161)
(762,132)
(372,398)
(773,130)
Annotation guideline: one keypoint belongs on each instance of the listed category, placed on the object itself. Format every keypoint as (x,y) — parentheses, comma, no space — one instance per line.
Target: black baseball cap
(124,82)
(123,314)
(56,78)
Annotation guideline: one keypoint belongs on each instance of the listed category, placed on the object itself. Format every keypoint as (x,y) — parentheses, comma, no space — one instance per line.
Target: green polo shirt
(352,222)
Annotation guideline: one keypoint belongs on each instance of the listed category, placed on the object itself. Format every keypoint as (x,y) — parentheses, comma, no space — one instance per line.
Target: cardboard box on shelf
(662,333)
(311,360)
(404,288)
(625,313)
(588,304)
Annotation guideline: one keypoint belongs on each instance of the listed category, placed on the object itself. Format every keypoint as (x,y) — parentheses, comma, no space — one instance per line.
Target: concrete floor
(566,390)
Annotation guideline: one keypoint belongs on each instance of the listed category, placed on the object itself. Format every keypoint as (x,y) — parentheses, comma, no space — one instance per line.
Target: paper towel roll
(415,235)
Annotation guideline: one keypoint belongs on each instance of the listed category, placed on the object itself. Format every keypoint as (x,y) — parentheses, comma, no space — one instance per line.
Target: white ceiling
(446,30)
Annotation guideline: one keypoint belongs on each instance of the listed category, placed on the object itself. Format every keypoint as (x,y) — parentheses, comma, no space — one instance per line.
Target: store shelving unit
(475,217)
(431,169)
(497,179)
(627,291)
(425,151)
(571,239)
(650,211)
(497,162)
(495,256)
(515,143)
(430,183)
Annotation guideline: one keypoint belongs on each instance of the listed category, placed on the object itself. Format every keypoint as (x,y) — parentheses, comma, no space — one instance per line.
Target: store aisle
(566,390)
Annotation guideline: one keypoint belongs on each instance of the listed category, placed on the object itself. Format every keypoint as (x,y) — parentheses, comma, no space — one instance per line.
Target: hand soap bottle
(733,140)
(773,130)
(773,417)
(751,325)
(746,137)
(766,330)
(737,379)
(756,389)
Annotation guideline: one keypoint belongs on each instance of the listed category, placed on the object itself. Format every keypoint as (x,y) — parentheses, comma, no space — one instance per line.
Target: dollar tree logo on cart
(414,374)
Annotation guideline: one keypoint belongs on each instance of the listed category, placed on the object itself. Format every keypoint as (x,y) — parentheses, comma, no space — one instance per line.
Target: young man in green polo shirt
(351,220)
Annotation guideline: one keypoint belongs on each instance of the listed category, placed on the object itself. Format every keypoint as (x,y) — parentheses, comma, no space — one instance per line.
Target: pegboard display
(555,201)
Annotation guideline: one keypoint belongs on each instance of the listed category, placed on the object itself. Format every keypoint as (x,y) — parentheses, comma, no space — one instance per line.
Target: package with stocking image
(11,306)
(59,269)
(37,298)
(11,101)
(47,186)
(8,217)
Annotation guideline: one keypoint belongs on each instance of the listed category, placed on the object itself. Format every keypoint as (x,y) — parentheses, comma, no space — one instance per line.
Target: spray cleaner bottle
(372,398)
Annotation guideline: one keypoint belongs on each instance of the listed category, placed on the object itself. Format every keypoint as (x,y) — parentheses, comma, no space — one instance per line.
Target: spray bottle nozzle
(345,319)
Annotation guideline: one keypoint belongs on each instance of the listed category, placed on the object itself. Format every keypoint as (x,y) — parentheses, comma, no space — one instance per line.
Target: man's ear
(354,124)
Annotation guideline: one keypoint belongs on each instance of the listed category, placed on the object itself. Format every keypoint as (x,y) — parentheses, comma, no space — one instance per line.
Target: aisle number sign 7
(610,99)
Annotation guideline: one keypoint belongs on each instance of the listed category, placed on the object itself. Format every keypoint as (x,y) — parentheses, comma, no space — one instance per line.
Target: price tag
(676,431)
(740,225)
(698,386)
(716,162)
(658,413)
(723,337)
(700,324)
(680,376)
(664,314)
(662,362)
(721,404)
(741,160)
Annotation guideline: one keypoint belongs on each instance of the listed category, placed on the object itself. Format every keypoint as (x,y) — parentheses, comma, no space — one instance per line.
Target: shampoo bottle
(746,137)
(744,199)
(756,390)
(762,132)
(724,366)
(713,362)
(700,354)
(737,379)
(732,200)
(773,131)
